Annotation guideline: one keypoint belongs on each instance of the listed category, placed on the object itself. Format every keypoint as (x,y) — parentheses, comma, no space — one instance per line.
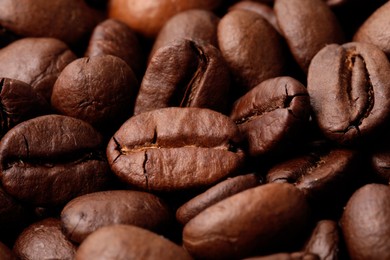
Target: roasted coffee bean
(85,214)
(372,30)
(324,240)
(173,149)
(44,240)
(113,37)
(365,223)
(327,179)
(308,26)
(195,75)
(125,242)
(262,9)
(67,20)
(19,102)
(99,90)
(215,194)
(51,159)
(349,89)
(266,218)
(35,61)
(251,47)
(148,17)
(198,25)
(271,113)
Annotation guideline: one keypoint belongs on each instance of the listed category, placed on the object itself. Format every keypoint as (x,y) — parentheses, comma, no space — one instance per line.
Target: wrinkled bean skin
(37,19)
(215,194)
(112,37)
(44,240)
(365,223)
(35,61)
(371,31)
(171,149)
(85,214)
(239,225)
(349,89)
(309,18)
(19,102)
(271,113)
(51,169)
(125,242)
(87,90)
(251,59)
(195,75)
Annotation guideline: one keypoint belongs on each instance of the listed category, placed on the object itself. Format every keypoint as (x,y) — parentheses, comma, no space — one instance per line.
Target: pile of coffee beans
(194,129)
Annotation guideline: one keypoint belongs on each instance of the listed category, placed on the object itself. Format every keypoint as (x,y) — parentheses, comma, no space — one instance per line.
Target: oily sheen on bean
(51,159)
(85,214)
(265,218)
(174,149)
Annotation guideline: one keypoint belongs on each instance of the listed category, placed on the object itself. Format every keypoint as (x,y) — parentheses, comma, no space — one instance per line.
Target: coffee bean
(196,24)
(85,214)
(35,61)
(371,31)
(259,219)
(99,90)
(365,223)
(251,47)
(51,159)
(112,37)
(195,75)
(308,26)
(38,19)
(215,194)
(44,240)
(19,102)
(271,113)
(173,148)
(349,91)
(128,242)
(324,240)
(262,9)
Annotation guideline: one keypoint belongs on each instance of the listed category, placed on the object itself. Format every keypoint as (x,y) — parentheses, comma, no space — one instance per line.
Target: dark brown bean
(51,159)
(85,214)
(307,25)
(125,242)
(173,149)
(195,75)
(272,113)
(215,194)
(44,240)
(112,37)
(251,47)
(349,89)
(38,19)
(100,90)
(365,223)
(35,61)
(259,219)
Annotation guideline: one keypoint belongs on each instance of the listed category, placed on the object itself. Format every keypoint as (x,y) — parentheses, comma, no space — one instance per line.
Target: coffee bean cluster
(194,129)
